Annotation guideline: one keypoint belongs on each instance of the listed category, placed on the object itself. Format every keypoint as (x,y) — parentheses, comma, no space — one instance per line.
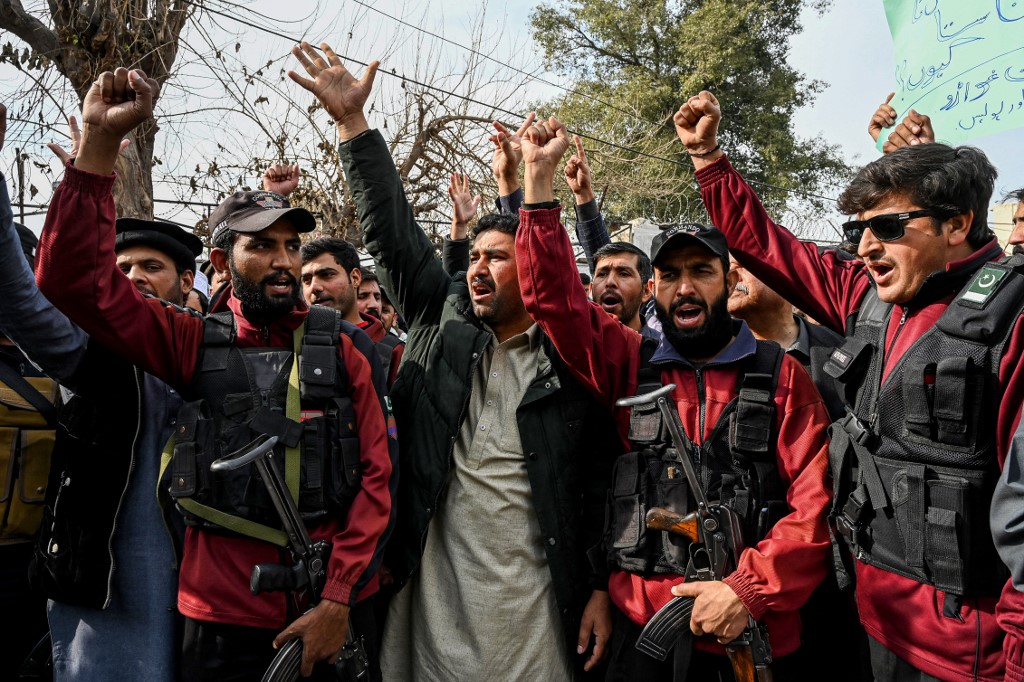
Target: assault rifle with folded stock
(308,573)
(716,537)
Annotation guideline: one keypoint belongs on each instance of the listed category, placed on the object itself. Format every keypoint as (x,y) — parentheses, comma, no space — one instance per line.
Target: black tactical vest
(736,466)
(240,393)
(915,463)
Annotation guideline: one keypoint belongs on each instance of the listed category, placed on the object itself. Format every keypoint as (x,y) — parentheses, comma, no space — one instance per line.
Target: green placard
(961,62)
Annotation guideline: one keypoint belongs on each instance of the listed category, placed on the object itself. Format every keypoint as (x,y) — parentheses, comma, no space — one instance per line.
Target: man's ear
(648,291)
(356,278)
(187,282)
(960,227)
(219,258)
(732,278)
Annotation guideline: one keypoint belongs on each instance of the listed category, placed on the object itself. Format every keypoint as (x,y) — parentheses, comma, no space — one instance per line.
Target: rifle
(716,537)
(309,572)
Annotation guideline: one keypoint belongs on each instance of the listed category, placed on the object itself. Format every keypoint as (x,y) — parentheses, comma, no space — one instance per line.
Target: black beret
(181,246)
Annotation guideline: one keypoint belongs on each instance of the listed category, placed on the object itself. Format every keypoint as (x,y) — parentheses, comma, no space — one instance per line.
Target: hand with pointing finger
(914,129)
(577,174)
(717,610)
(338,90)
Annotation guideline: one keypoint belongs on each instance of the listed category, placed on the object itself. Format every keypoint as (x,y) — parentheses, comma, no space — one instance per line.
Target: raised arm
(77,269)
(42,332)
(914,129)
(591,232)
(455,250)
(282,178)
(600,351)
(824,287)
(405,258)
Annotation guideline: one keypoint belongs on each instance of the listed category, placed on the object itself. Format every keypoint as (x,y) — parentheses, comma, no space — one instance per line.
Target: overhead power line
(493,107)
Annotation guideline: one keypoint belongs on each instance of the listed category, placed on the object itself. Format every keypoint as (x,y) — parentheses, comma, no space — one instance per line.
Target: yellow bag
(26,443)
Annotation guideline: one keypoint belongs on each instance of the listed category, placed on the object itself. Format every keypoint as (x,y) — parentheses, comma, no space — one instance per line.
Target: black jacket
(92,460)
(568,439)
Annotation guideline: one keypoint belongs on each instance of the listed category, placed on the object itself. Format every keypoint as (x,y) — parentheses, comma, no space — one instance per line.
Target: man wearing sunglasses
(932,376)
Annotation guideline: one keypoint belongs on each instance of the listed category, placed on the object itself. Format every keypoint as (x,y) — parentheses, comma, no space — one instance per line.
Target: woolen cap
(181,246)
(689,233)
(256,211)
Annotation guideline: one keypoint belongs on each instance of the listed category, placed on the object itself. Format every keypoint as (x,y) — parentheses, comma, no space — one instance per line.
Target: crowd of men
(507,470)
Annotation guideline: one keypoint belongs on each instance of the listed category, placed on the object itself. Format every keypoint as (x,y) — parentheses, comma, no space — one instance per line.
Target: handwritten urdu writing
(961,62)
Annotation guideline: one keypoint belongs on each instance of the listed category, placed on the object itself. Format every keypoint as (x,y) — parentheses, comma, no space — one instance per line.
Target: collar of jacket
(743,345)
(228,301)
(945,283)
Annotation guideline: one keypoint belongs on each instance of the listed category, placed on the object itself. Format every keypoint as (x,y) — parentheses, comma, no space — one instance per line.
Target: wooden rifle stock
(743,668)
(659,518)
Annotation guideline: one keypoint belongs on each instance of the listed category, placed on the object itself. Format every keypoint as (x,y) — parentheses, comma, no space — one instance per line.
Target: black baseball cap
(256,211)
(181,246)
(707,236)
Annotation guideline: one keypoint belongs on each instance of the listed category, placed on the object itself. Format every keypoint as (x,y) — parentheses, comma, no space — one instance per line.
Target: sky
(849,48)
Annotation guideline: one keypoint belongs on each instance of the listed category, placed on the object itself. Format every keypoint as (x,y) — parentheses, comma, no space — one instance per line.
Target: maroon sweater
(902,614)
(77,272)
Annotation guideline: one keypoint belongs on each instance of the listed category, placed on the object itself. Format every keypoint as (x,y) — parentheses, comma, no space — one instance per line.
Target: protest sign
(961,62)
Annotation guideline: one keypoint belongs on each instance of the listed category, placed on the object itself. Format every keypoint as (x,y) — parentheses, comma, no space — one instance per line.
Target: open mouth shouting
(481,290)
(280,284)
(881,272)
(611,301)
(688,315)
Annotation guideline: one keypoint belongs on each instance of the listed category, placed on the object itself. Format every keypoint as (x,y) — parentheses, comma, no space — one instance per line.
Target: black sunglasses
(886,228)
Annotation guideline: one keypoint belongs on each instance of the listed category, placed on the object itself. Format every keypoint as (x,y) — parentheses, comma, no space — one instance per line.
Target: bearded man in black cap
(261,364)
(751,414)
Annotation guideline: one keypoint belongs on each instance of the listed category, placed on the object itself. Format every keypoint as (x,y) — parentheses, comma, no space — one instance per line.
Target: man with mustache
(1017,233)
(331,276)
(505,458)
(622,283)
(714,362)
(932,374)
(771,317)
(239,370)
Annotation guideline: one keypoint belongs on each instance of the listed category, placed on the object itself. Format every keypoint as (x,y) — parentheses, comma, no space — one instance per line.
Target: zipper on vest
(885,361)
(266,335)
(705,474)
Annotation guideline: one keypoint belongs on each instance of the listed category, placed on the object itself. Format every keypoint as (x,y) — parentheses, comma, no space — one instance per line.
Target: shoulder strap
(37,400)
(320,371)
(218,339)
(648,377)
(755,404)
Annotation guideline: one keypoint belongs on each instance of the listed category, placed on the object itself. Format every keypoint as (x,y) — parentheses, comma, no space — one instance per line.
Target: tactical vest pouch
(193,440)
(629,488)
(26,443)
(936,532)
(954,393)
(645,424)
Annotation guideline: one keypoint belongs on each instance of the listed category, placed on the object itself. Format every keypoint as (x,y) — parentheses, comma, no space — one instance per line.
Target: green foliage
(633,62)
